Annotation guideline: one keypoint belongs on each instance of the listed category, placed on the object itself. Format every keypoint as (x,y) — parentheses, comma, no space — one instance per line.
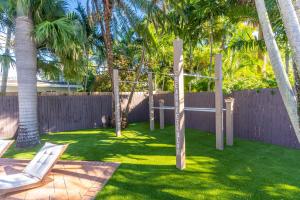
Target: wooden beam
(229,121)
(179,103)
(117,102)
(161,114)
(151,101)
(219,103)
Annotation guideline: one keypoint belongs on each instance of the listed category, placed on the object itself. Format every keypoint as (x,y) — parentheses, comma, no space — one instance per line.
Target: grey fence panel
(139,108)
(66,113)
(8,116)
(261,115)
(258,115)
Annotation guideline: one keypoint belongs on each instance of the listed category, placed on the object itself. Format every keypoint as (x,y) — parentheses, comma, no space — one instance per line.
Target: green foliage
(58,36)
(62,37)
(248,83)
(73,44)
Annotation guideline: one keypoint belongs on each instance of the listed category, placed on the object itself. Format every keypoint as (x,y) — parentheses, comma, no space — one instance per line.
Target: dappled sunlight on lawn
(249,170)
(280,190)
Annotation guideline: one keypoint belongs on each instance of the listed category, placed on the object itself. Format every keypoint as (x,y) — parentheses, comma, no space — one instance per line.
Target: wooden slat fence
(62,113)
(258,115)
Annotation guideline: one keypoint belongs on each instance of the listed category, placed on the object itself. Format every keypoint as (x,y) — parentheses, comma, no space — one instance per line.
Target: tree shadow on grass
(249,170)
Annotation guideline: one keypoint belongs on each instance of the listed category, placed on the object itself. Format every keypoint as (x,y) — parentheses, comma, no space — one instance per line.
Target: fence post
(151,101)
(229,121)
(117,102)
(219,103)
(179,103)
(161,114)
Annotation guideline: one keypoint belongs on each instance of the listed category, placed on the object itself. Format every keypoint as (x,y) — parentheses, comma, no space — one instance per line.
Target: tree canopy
(73,45)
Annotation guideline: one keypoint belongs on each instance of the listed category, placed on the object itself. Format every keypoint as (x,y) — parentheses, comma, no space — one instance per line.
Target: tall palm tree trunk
(297,8)
(86,69)
(284,86)
(287,59)
(292,27)
(6,62)
(107,35)
(105,26)
(295,69)
(26,62)
(108,6)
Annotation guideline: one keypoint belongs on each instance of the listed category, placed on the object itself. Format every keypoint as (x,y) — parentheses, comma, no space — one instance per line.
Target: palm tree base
(26,139)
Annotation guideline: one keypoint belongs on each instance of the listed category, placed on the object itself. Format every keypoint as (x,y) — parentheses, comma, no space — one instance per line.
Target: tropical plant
(40,25)
(115,19)
(284,86)
(6,60)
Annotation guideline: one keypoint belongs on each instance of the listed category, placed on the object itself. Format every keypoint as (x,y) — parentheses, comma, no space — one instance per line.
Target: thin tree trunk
(264,66)
(26,62)
(87,70)
(292,27)
(163,84)
(261,54)
(231,59)
(6,63)
(137,78)
(287,60)
(211,41)
(284,86)
(191,56)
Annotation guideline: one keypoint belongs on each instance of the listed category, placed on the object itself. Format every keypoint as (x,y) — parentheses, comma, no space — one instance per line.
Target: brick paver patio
(68,180)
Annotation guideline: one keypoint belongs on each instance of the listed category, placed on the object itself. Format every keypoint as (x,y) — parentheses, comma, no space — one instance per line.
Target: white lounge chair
(33,175)
(4,145)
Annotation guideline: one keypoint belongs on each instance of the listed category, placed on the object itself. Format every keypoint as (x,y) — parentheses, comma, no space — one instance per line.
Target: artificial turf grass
(249,170)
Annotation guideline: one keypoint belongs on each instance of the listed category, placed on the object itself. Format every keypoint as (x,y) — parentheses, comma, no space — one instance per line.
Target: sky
(73,3)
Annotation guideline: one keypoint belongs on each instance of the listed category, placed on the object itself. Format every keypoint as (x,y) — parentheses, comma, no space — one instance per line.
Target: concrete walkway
(68,180)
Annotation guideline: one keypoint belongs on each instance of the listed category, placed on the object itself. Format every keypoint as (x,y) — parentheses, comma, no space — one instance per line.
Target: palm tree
(26,62)
(39,24)
(295,69)
(6,23)
(6,61)
(115,18)
(285,88)
(292,27)
(89,36)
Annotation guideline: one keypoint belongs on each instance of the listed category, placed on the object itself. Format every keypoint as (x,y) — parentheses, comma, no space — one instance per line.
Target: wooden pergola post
(117,102)
(151,101)
(161,114)
(229,121)
(179,103)
(219,103)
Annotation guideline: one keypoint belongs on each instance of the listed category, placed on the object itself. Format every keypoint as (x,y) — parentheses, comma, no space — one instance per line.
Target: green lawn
(249,170)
